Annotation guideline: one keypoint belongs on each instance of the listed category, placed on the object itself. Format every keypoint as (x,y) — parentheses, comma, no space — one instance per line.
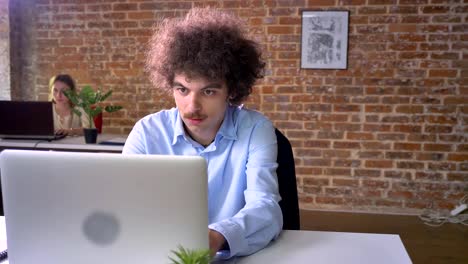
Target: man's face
(202,104)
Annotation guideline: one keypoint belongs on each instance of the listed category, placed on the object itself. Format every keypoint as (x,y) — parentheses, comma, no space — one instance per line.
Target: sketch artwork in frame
(324,39)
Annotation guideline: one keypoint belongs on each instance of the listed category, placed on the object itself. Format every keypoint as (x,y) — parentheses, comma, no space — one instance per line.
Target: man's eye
(209,92)
(181,90)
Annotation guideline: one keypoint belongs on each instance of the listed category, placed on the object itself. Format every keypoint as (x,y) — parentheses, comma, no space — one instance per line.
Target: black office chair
(287,183)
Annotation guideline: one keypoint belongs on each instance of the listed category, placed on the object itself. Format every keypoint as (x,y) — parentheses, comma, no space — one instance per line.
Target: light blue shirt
(242,184)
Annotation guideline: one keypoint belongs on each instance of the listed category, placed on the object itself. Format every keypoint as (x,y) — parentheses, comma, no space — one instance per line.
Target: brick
(391,136)
(457,157)
(414,2)
(124,7)
(442,166)
(407,146)
(345,182)
(316,181)
(438,129)
(330,135)
(359,136)
(435,9)
(417,204)
(377,128)
(398,9)
(351,2)
(346,127)
(307,153)
(433,176)
(375,145)
(430,156)
(366,173)
(370,154)
(319,3)
(344,154)
(399,155)
(317,162)
(400,194)
(397,175)
(410,165)
(407,128)
(337,172)
(378,108)
(378,163)
(402,28)
(395,119)
(443,73)
(346,145)
(333,118)
(463,177)
(375,183)
(317,144)
(280,30)
(317,126)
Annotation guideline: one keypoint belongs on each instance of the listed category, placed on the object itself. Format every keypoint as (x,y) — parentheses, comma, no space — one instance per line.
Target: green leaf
(87,95)
(104,97)
(112,108)
(188,256)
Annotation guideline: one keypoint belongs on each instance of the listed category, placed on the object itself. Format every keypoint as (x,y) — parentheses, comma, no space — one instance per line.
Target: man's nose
(195,103)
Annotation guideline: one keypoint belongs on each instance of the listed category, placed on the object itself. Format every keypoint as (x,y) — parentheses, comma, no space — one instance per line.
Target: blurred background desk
(68,144)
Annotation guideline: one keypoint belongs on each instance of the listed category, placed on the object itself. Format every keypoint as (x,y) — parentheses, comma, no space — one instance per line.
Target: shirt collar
(227,130)
(179,130)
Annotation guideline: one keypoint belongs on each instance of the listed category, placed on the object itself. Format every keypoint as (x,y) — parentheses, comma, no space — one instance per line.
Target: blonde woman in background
(65,120)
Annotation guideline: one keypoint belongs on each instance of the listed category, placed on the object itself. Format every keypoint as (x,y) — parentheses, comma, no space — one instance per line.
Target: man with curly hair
(209,65)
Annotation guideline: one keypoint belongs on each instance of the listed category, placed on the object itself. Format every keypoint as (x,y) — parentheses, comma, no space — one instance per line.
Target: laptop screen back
(102,208)
(21,119)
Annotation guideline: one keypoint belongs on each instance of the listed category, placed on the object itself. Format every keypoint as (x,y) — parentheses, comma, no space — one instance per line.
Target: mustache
(194,115)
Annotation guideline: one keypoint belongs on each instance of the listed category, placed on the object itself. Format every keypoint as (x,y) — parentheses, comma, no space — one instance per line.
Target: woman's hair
(65,78)
(205,43)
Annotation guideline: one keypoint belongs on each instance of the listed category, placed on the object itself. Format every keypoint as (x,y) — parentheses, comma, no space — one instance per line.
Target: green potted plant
(188,256)
(90,102)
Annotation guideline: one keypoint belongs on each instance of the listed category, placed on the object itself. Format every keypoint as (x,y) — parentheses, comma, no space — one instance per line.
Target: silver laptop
(64,207)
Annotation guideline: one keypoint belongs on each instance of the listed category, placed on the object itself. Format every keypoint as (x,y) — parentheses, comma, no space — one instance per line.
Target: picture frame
(324,40)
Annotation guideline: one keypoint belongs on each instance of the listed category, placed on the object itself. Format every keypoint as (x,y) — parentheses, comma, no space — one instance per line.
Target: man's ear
(230,97)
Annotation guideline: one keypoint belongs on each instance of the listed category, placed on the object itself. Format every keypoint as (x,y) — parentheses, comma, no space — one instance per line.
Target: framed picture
(324,42)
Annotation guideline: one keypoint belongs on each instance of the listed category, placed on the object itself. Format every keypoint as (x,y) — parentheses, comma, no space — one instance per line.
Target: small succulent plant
(188,256)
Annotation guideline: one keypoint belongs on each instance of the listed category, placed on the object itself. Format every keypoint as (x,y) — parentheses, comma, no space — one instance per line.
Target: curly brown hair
(205,43)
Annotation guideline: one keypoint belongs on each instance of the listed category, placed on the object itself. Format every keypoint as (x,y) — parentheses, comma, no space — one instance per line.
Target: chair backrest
(287,183)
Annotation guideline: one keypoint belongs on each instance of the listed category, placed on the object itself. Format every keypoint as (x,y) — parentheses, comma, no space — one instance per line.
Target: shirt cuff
(234,236)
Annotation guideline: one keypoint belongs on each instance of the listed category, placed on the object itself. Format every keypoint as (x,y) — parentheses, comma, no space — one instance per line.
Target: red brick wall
(387,134)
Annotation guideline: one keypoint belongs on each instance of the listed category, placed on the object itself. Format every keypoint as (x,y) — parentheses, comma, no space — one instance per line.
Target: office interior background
(387,134)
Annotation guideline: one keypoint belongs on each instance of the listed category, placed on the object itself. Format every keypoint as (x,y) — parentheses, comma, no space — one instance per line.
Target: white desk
(330,247)
(65,144)
(317,247)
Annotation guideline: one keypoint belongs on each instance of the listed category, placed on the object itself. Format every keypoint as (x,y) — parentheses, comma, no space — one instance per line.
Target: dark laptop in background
(27,120)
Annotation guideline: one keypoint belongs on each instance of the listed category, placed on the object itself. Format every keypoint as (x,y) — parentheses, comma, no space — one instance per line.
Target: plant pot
(90,135)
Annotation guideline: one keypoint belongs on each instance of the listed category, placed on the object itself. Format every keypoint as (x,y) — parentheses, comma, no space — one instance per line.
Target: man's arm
(260,220)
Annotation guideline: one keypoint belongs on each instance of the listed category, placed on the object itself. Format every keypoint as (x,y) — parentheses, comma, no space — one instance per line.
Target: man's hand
(216,241)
